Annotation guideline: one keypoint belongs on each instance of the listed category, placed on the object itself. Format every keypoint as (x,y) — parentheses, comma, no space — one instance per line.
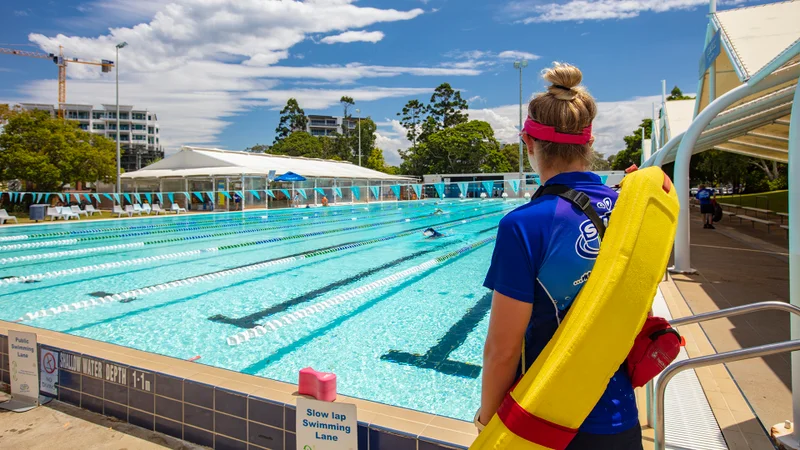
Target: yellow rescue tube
(570,375)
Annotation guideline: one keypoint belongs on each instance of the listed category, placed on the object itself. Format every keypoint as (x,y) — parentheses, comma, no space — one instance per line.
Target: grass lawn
(777,201)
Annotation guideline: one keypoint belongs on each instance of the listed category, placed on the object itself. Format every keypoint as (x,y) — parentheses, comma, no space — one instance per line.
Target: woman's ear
(591,141)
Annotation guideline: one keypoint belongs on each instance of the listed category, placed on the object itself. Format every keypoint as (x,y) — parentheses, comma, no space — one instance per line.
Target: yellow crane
(62,63)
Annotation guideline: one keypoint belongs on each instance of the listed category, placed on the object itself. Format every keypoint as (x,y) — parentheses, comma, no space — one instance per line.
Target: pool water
(354,290)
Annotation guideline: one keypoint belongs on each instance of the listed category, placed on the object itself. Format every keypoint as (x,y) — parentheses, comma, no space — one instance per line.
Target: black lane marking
(438,356)
(250,320)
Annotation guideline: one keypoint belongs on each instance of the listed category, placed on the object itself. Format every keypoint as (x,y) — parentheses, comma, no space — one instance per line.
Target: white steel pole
(794,250)
(118,152)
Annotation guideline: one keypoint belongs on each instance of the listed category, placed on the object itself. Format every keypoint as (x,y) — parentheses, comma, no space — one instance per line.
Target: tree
(298,143)
(346,102)
(446,107)
(258,148)
(49,153)
(410,118)
(293,118)
(599,163)
(375,160)
(464,148)
(511,152)
(632,154)
(677,94)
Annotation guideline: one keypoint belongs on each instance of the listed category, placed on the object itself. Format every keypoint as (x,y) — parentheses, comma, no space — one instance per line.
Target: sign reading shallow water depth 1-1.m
(24,365)
(326,425)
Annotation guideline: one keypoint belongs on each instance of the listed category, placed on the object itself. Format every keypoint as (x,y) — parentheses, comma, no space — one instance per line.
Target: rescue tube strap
(532,428)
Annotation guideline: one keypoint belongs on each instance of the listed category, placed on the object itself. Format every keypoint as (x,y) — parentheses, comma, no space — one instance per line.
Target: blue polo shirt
(544,253)
(704,196)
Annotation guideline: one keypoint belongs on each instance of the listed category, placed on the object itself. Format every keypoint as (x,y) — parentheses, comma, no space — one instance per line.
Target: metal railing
(701,361)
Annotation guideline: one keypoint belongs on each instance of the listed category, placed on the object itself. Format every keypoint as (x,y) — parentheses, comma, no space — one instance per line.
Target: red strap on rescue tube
(533,429)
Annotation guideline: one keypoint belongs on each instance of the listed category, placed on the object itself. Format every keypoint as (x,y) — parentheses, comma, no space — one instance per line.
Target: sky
(217,72)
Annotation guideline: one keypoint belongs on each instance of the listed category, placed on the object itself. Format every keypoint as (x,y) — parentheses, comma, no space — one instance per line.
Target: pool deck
(736,265)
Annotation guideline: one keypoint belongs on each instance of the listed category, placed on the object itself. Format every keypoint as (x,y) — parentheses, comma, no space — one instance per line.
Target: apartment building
(329,125)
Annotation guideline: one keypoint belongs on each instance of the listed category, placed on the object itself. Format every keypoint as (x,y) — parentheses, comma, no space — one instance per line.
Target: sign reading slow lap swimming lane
(326,425)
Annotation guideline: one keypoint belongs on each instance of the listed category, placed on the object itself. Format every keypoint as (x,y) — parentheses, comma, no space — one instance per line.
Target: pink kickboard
(320,385)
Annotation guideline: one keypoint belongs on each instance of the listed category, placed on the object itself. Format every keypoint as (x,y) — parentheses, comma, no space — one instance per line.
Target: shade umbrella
(291,176)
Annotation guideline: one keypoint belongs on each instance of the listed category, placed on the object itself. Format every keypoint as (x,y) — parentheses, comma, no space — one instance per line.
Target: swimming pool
(354,290)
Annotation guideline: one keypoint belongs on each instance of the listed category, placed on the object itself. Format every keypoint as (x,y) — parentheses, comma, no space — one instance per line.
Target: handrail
(702,361)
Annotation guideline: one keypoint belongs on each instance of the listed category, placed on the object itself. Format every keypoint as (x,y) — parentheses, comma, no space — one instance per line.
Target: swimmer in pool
(438,211)
(430,233)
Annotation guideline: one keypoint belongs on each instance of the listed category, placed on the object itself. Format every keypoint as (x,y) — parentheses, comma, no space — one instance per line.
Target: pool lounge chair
(91,211)
(4,216)
(119,212)
(157,209)
(77,210)
(177,209)
(67,213)
(146,208)
(137,208)
(130,211)
(54,213)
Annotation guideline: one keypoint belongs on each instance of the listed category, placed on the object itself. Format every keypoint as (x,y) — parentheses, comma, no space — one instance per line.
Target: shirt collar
(575,178)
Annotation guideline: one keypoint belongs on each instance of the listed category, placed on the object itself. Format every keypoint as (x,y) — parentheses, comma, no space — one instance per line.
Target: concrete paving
(65,427)
(739,265)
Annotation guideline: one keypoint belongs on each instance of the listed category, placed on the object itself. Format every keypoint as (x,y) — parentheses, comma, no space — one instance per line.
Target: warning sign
(48,372)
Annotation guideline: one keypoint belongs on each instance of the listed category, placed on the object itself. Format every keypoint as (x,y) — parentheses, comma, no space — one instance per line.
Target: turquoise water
(357,291)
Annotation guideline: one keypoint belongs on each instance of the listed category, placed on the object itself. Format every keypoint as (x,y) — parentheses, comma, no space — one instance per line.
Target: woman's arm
(501,354)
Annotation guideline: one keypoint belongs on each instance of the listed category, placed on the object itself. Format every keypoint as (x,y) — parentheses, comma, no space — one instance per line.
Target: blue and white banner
(286,193)
(161,197)
(77,197)
(396,190)
(39,197)
(321,191)
(439,189)
(116,197)
(199,195)
(463,187)
(128,198)
(108,196)
(171,197)
(270,193)
(97,197)
(376,191)
(356,192)
(211,197)
(46,197)
(255,194)
(514,185)
(604,178)
(488,186)
(60,196)
(417,190)
(337,191)
(149,197)
(226,194)
(137,197)
(303,193)
(88,198)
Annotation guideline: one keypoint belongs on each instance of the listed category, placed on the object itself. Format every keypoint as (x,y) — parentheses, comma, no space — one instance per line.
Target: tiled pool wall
(211,415)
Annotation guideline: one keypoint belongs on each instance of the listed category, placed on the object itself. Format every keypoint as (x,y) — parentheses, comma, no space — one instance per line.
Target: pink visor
(546,133)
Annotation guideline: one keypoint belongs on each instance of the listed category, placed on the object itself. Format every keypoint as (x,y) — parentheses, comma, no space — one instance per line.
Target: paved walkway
(739,265)
(65,427)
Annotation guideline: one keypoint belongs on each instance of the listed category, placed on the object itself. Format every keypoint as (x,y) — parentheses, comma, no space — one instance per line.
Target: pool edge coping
(376,419)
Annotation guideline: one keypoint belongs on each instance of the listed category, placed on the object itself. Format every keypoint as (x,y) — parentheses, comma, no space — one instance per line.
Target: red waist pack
(656,346)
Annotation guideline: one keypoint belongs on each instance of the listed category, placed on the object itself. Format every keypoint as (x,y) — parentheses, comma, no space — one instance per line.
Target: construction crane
(62,63)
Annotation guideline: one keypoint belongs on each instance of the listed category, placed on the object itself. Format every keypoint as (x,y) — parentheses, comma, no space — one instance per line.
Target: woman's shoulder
(535,212)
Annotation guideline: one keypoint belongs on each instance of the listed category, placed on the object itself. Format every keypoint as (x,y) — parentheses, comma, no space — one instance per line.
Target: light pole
(358,111)
(119,46)
(519,65)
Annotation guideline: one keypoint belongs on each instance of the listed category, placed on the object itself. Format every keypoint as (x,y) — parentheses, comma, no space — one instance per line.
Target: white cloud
(614,121)
(472,59)
(578,10)
(516,54)
(391,138)
(198,62)
(20,13)
(354,36)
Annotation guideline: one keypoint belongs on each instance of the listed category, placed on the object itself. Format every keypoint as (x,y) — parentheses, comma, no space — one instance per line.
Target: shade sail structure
(209,162)
(751,40)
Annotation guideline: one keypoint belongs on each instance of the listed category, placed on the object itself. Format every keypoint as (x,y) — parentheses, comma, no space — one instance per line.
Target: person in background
(544,250)
(705,196)
(324,201)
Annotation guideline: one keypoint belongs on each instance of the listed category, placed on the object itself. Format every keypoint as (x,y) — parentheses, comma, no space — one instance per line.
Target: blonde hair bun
(565,79)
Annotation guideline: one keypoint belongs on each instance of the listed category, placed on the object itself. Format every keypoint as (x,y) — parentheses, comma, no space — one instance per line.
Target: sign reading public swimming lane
(24,365)
(710,53)
(326,425)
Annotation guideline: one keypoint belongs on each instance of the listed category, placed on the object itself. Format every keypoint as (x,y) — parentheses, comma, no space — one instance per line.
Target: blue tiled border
(192,411)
